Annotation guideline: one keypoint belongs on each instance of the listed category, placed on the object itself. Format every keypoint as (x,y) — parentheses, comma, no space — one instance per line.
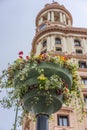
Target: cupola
(52,23)
(53,14)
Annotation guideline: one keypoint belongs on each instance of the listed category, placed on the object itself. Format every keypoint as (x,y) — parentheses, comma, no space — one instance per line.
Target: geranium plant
(15,80)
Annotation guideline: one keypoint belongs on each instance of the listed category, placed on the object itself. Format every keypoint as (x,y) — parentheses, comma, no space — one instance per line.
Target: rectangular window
(85,98)
(63,120)
(82,64)
(84,80)
(78,51)
(58,49)
(57,41)
(44,43)
(77,43)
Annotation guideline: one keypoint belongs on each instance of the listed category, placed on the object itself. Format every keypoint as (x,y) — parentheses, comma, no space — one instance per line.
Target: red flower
(20,53)
(66,85)
(27,57)
(20,57)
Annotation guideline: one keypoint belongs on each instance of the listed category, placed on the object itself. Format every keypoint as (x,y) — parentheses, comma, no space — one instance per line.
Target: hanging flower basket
(46,99)
(42,84)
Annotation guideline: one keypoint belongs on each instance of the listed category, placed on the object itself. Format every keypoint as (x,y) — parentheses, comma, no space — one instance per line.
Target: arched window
(43,26)
(77,43)
(57,41)
(44,44)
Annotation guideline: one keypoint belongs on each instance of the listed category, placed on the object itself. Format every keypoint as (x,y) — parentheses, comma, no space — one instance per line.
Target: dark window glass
(84,80)
(79,51)
(82,64)
(85,98)
(45,17)
(57,41)
(58,49)
(42,26)
(77,43)
(44,51)
(44,43)
(63,120)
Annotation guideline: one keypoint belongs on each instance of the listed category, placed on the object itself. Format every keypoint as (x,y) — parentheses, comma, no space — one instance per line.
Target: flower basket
(42,84)
(38,101)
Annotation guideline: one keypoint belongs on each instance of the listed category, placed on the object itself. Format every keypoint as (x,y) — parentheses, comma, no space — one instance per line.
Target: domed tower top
(53,14)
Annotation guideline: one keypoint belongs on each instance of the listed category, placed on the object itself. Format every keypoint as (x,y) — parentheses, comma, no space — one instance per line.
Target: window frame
(82,64)
(61,118)
(58,41)
(60,49)
(42,27)
(84,80)
(77,43)
(85,98)
(78,51)
(44,43)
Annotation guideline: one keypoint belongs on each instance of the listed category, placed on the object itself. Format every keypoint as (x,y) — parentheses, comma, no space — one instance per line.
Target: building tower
(54,32)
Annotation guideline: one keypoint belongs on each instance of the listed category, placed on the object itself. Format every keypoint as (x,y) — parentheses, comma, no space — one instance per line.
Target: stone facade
(54,32)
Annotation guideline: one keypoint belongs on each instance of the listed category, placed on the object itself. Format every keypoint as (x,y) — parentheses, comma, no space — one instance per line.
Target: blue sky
(17,29)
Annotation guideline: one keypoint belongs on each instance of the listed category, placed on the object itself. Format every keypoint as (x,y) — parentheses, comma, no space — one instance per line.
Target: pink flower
(27,57)
(20,57)
(20,53)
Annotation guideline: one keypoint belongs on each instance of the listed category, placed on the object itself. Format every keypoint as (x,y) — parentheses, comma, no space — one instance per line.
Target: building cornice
(66,30)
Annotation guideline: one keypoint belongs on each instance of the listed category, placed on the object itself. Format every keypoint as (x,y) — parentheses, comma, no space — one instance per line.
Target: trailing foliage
(33,72)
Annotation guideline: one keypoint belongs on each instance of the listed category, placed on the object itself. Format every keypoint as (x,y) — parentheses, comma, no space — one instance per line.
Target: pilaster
(64,44)
(84,45)
(64,18)
(48,43)
(61,18)
(48,17)
(52,16)
(70,45)
(52,43)
(38,48)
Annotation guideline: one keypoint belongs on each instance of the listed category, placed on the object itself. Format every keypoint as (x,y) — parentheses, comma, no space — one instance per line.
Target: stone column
(84,45)
(52,16)
(48,44)
(38,48)
(69,22)
(64,18)
(64,48)
(52,43)
(40,20)
(70,45)
(61,17)
(48,17)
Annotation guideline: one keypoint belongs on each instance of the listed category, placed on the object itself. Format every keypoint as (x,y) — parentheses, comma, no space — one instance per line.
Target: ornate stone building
(54,32)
